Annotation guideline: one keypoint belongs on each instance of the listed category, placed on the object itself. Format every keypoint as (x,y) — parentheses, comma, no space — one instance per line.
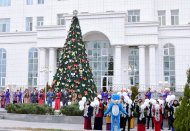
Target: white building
(147,41)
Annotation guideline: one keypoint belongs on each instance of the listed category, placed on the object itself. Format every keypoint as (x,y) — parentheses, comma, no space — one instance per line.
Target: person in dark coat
(34,96)
(65,97)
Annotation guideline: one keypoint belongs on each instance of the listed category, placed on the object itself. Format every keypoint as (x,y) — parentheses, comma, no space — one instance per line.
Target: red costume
(57,101)
(157,118)
(41,98)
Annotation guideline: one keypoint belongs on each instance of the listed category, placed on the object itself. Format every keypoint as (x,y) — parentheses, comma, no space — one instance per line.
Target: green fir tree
(182,114)
(74,72)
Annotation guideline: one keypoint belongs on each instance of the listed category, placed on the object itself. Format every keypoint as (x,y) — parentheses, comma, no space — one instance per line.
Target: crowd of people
(35,96)
(145,110)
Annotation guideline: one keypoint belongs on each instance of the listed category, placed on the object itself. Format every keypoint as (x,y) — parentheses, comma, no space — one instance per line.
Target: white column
(52,64)
(152,65)
(142,66)
(42,61)
(117,68)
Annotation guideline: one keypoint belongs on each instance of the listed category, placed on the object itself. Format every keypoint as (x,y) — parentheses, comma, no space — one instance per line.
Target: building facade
(128,42)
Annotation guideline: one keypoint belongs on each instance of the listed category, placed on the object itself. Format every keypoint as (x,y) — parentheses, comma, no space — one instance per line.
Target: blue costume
(50,98)
(115,107)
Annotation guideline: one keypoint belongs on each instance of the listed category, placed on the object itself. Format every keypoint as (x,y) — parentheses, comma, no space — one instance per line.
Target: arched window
(3,57)
(100,56)
(33,67)
(169,64)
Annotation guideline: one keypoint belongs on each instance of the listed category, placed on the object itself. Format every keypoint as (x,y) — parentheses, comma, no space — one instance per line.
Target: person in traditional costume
(50,96)
(123,117)
(7,97)
(20,96)
(15,98)
(104,95)
(34,96)
(3,100)
(65,97)
(57,100)
(170,99)
(130,112)
(157,116)
(150,115)
(88,113)
(41,99)
(161,102)
(26,96)
(98,121)
(108,116)
(141,121)
(148,94)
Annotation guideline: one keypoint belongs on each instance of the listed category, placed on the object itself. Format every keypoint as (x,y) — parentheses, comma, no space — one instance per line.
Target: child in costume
(115,107)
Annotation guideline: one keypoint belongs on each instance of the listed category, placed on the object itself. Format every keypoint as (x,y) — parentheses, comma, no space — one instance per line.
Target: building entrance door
(107,81)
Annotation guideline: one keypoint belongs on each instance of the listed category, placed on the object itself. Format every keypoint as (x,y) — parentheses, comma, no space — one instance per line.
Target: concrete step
(1,116)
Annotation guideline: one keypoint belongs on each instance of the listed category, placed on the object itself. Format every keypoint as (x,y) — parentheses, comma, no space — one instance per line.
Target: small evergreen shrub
(29,109)
(182,114)
(71,110)
(134,90)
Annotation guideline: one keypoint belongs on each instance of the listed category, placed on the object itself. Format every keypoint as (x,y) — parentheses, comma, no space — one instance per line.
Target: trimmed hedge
(71,110)
(29,109)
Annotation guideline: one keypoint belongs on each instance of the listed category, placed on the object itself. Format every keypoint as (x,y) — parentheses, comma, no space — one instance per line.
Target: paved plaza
(10,125)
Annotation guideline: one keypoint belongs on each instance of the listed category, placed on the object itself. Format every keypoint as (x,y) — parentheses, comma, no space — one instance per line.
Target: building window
(40,21)
(5,25)
(169,64)
(133,15)
(162,17)
(59,54)
(40,1)
(5,2)
(174,17)
(100,56)
(33,67)
(60,19)
(133,66)
(28,23)
(29,2)
(2,67)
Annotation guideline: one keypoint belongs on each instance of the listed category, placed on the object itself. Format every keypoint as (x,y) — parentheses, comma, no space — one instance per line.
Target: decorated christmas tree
(182,115)
(74,72)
